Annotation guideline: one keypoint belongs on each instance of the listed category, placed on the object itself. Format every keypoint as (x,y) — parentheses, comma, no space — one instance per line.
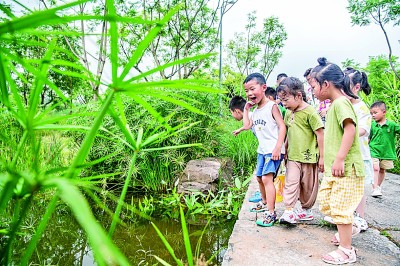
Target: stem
(39,231)
(19,216)
(123,194)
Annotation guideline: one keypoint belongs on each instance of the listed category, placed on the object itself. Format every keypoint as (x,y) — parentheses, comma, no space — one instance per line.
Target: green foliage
(381,12)
(257,51)
(155,170)
(24,170)
(385,87)
(191,260)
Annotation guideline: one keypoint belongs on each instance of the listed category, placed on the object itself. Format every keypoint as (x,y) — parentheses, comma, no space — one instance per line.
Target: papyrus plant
(22,180)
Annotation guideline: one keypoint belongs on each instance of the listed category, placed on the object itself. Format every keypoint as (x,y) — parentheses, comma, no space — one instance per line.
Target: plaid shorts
(340,196)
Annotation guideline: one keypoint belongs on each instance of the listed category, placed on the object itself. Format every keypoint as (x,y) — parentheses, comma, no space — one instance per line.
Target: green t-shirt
(302,141)
(283,110)
(383,140)
(340,110)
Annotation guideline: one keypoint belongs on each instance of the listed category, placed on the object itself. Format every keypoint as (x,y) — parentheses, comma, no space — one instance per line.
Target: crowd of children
(326,129)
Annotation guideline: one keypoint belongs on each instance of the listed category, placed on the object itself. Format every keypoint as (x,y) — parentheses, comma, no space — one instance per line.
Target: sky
(315,28)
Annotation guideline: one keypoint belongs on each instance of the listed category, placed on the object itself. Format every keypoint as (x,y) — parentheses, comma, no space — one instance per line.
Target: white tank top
(266,129)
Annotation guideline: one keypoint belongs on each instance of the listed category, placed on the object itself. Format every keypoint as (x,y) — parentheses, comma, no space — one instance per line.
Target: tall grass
(23,166)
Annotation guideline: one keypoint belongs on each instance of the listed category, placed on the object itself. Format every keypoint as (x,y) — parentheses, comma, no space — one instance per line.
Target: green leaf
(167,245)
(238,184)
(145,43)
(104,249)
(186,239)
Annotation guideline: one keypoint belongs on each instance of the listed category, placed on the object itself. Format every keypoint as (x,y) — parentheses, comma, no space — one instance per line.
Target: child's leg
(308,185)
(292,183)
(345,232)
(376,173)
(262,190)
(268,183)
(259,173)
(381,176)
(342,205)
(361,207)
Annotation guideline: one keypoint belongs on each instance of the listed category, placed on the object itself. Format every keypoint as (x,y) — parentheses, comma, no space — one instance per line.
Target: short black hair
(308,71)
(237,102)
(292,86)
(270,92)
(257,76)
(281,75)
(379,104)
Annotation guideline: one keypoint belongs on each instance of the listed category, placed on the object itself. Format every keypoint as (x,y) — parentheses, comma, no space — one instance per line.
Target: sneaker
(304,214)
(377,192)
(329,219)
(362,223)
(268,220)
(260,207)
(256,197)
(288,217)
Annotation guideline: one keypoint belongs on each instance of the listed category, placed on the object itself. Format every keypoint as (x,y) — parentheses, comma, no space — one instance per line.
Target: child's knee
(382,171)
(266,179)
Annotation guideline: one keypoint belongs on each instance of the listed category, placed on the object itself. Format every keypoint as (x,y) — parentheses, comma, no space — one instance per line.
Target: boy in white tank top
(270,130)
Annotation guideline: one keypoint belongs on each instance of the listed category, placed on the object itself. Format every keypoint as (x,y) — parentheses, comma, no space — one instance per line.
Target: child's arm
(364,123)
(276,153)
(349,130)
(247,121)
(320,140)
(237,131)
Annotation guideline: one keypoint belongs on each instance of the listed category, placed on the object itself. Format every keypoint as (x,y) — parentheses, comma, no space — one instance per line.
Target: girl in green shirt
(342,186)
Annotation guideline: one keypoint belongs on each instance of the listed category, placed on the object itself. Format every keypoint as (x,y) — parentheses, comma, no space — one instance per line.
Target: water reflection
(64,243)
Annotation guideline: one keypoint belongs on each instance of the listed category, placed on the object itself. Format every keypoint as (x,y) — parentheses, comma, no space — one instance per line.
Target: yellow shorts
(340,196)
(383,164)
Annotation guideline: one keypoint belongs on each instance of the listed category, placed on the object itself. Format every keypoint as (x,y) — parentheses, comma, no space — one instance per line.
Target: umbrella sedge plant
(21,180)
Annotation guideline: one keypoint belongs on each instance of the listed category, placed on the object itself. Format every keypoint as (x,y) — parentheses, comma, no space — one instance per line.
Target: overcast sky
(315,28)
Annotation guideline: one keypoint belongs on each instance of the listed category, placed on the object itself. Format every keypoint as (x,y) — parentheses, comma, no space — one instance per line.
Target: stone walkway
(304,244)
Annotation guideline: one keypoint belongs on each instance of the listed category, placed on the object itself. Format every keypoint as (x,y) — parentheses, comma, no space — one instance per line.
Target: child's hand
(236,132)
(321,164)
(276,154)
(338,168)
(249,105)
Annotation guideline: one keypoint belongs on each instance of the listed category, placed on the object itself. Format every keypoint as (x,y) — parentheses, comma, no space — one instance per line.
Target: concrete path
(304,244)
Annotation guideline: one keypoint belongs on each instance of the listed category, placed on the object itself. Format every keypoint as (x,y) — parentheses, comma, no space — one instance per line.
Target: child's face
(319,90)
(255,92)
(289,101)
(237,114)
(377,114)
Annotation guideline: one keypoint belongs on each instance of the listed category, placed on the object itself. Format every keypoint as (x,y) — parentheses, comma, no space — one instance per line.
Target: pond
(64,243)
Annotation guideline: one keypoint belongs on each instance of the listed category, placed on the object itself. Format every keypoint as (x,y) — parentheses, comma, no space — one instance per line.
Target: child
(236,106)
(358,81)
(382,144)
(279,78)
(270,130)
(271,94)
(309,93)
(342,186)
(304,145)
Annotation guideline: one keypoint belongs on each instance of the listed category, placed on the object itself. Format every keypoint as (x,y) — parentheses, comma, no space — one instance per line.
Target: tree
(193,30)
(257,51)
(380,12)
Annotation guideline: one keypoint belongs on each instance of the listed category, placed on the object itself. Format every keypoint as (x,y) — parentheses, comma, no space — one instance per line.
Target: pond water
(64,243)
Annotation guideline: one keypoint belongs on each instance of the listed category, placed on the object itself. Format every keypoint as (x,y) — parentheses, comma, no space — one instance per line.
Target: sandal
(355,231)
(337,258)
(260,207)
(268,220)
